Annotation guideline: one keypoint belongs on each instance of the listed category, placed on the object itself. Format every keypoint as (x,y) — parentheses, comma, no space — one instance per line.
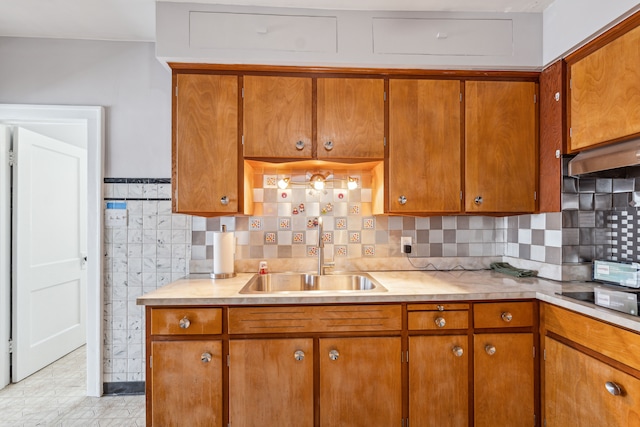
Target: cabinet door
(205,144)
(271,382)
(575,390)
(360,382)
(425,146)
(552,101)
(504,380)
(439,380)
(277,117)
(500,146)
(186,383)
(604,101)
(350,118)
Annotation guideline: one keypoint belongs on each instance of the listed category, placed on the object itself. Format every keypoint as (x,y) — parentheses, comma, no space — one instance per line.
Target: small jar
(263,268)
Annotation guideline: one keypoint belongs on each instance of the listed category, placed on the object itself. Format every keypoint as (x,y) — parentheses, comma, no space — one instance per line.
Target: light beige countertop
(402,286)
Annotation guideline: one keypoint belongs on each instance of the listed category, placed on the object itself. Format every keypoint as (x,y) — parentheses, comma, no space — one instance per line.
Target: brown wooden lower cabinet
(439,380)
(342,365)
(360,381)
(504,380)
(271,382)
(576,390)
(591,371)
(186,383)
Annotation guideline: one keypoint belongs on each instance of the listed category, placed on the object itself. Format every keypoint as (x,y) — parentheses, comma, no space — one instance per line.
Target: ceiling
(134,20)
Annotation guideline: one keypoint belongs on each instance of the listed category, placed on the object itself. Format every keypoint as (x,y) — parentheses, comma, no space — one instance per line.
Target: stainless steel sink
(301,282)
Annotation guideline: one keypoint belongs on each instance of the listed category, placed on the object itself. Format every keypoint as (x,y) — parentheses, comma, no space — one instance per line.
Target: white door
(49,250)
(5,254)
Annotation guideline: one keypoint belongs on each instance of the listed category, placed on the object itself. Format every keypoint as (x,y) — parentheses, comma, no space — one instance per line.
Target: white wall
(568,24)
(124,77)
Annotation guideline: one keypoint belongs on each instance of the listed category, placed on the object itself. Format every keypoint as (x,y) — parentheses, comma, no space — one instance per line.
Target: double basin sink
(306,282)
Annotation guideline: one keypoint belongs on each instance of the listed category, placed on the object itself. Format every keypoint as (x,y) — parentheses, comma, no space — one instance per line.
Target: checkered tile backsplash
(283,227)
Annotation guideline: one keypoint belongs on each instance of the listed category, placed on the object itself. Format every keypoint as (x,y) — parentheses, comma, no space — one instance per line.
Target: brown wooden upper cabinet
(277,117)
(552,135)
(604,90)
(425,146)
(500,146)
(205,144)
(350,118)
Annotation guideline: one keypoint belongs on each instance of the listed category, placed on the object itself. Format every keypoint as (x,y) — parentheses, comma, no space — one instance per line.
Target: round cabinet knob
(478,200)
(490,349)
(206,357)
(440,307)
(457,351)
(185,323)
(328,145)
(300,145)
(402,200)
(224,200)
(613,388)
(298,355)
(333,355)
(506,316)
(440,322)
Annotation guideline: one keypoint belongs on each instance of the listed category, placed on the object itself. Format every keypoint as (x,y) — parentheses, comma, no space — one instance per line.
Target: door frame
(94,117)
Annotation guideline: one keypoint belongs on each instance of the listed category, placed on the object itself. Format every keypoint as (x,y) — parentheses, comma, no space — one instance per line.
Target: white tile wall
(152,250)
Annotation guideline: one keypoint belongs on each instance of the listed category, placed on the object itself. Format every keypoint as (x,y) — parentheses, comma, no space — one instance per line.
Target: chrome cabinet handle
(333,355)
(206,357)
(185,323)
(506,316)
(300,145)
(298,355)
(402,200)
(457,351)
(440,322)
(490,349)
(328,145)
(224,200)
(478,200)
(613,388)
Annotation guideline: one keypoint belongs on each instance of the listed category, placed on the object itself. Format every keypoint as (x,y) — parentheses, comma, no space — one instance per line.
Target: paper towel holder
(223,229)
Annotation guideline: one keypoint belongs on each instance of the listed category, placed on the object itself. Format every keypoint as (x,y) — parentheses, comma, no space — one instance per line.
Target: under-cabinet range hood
(616,157)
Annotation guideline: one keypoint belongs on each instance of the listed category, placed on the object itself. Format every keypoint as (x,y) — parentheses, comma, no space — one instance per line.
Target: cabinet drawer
(506,314)
(438,320)
(614,342)
(357,318)
(186,321)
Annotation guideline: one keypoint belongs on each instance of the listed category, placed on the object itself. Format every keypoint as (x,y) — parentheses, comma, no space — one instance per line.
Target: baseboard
(123,388)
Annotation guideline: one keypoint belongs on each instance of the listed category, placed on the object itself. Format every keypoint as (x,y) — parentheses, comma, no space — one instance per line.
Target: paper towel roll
(224,249)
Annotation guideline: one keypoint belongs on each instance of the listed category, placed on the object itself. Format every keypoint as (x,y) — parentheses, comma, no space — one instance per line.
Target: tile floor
(56,397)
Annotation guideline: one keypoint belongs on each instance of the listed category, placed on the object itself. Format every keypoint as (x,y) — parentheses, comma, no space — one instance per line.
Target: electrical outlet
(404,241)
